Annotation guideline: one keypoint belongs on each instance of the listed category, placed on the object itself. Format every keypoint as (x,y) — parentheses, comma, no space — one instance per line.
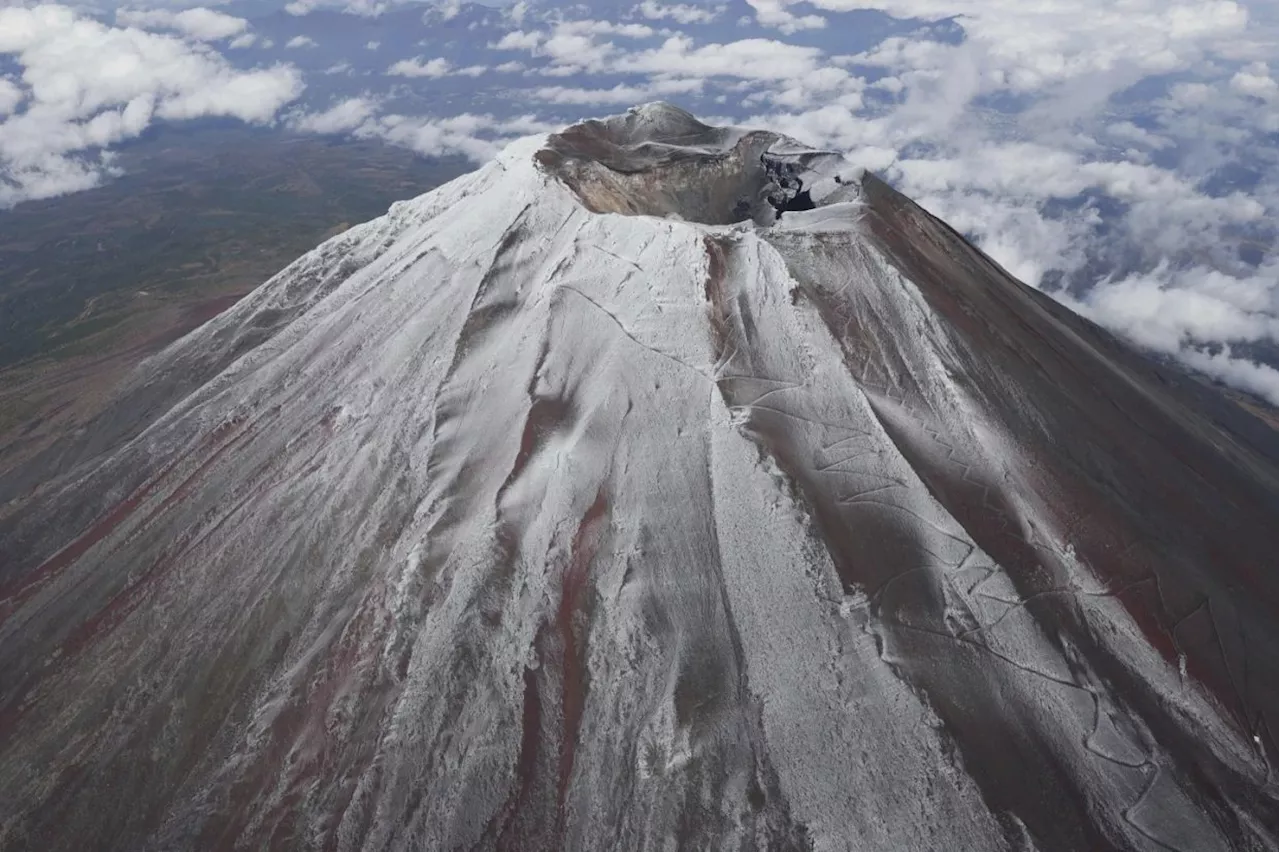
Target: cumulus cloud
(518,40)
(774,13)
(10,96)
(573,51)
(517,11)
(1034,44)
(1165,309)
(592,27)
(571,46)
(679,13)
(448,9)
(478,137)
(365,8)
(1198,315)
(437,67)
(343,117)
(618,95)
(86,86)
(1235,370)
(299,41)
(362,8)
(1255,81)
(800,73)
(198,23)
(753,59)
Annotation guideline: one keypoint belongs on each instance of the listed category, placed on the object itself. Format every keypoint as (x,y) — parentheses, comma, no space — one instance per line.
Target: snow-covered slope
(587,503)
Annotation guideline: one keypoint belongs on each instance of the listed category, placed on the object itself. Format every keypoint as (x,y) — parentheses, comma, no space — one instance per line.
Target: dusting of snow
(498,520)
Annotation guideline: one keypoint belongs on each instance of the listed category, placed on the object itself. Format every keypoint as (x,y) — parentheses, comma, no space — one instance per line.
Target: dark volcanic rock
(584,503)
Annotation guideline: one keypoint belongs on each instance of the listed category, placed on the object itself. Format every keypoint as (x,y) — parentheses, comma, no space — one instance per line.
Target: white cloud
(518,41)
(571,46)
(1164,309)
(448,9)
(589,27)
(750,59)
(774,13)
(87,86)
(10,96)
(516,12)
(1026,46)
(617,95)
(478,137)
(576,51)
(253,96)
(1255,81)
(365,8)
(361,8)
(372,45)
(678,12)
(343,117)
(198,23)
(417,68)
(1127,131)
(1236,371)
(1176,312)
(299,41)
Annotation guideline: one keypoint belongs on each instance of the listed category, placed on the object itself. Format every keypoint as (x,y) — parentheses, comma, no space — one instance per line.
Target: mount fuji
(656,486)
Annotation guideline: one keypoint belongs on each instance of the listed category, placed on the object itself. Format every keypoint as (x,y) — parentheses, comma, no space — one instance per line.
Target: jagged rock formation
(608,498)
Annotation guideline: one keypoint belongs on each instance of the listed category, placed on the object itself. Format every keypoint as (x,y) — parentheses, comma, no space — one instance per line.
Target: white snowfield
(507,522)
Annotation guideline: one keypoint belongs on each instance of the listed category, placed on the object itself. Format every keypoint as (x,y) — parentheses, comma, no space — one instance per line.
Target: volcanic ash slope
(657,486)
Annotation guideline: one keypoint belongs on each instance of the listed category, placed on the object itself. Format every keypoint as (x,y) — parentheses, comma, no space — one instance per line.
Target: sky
(1118,154)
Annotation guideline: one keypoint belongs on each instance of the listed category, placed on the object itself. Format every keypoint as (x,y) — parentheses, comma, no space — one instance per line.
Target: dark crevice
(790,194)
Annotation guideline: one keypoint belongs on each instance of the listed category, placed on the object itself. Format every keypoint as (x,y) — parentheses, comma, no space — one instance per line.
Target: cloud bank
(198,23)
(85,86)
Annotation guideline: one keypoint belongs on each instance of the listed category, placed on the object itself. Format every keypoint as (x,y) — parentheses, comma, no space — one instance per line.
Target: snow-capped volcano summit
(656,486)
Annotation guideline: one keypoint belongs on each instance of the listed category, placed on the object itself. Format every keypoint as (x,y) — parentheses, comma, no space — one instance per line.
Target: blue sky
(1120,156)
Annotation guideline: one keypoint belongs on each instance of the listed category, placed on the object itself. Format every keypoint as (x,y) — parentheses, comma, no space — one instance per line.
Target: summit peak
(659,160)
